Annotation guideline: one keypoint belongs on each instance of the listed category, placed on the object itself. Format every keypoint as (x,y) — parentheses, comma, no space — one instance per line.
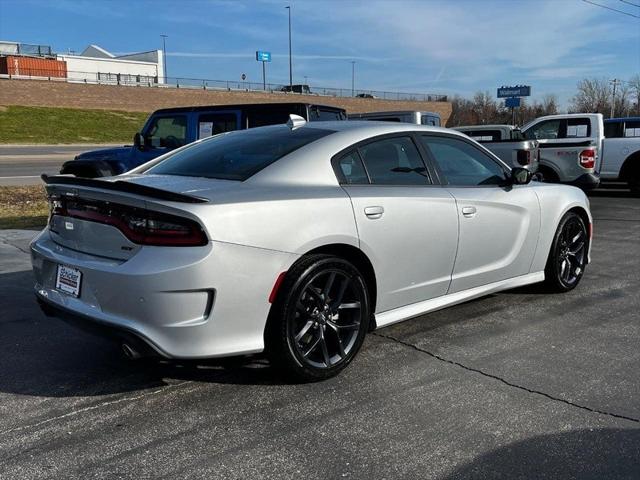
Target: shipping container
(33,66)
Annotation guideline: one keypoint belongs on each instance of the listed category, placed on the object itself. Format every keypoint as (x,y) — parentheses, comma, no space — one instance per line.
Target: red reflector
(588,158)
(276,287)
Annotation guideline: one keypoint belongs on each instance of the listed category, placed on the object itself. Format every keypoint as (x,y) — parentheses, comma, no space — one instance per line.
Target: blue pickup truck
(170,128)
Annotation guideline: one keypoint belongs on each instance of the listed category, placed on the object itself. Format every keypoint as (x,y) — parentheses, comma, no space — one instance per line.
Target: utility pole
(164,56)
(288,7)
(353,78)
(615,82)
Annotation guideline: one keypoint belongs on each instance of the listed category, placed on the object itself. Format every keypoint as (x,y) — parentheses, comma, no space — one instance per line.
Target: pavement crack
(92,407)
(2,240)
(502,380)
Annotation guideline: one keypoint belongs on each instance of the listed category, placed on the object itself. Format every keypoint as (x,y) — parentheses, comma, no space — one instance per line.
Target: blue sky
(428,46)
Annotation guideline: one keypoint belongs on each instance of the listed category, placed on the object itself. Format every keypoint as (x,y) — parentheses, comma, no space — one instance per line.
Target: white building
(96,65)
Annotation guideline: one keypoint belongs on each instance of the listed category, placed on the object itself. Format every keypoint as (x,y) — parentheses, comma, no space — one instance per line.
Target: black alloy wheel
(320,318)
(568,257)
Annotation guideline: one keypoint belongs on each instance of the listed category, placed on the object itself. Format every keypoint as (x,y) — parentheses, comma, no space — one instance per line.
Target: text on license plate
(68,280)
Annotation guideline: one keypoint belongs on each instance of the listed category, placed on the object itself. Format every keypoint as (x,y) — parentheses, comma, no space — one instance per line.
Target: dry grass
(23,207)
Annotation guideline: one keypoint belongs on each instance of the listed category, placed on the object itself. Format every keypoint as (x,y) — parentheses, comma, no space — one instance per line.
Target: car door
(499,224)
(407,226)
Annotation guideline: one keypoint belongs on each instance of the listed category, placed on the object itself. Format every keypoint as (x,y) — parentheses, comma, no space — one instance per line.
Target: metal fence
(11,48)
(108,78)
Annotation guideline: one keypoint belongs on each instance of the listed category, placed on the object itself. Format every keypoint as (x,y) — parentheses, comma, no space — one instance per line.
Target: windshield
(237,155)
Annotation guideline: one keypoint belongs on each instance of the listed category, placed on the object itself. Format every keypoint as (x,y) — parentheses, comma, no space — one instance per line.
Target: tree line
(593,95)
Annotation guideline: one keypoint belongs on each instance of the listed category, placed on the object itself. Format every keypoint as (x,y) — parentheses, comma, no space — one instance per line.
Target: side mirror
(138,141)
(520,176)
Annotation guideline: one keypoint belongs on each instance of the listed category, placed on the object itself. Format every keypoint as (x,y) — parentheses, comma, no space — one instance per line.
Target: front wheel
(568,256)
(319,319)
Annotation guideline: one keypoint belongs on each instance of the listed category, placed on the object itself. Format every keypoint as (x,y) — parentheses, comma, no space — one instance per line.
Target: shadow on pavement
(609,453)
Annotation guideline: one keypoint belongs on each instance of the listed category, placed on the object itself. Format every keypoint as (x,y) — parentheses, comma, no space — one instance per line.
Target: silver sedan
(299,239)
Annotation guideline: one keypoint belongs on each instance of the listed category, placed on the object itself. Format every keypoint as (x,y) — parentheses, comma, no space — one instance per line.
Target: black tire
(634,184)
(319,319)
(548,175)
(568,256)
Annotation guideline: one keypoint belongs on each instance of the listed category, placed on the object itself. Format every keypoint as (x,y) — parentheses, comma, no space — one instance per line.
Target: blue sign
(517,91)
(263,56)
(512,102)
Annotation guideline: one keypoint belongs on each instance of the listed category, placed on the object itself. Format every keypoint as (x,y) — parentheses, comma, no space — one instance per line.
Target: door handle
(373,212)
(469,211)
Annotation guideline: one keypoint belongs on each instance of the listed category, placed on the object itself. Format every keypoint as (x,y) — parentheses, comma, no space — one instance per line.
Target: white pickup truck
(507,142)
(621,153)
(573,149)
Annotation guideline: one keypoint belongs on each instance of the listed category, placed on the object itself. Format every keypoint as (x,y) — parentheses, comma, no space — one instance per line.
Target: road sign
(513,102)
(517,91)
(243,76)
(263,56)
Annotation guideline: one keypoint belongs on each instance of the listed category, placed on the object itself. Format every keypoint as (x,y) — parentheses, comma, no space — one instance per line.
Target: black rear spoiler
(121,186)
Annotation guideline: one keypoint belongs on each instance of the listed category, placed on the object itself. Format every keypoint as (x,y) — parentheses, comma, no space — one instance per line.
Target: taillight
(588,158)
(141,226)
(523,157)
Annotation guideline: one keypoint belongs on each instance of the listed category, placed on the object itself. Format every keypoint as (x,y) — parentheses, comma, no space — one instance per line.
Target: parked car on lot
(170,128)
(304,89)
(298,239)
(406,116)
(570,147)
(507,142)
(621,151)
(365,95)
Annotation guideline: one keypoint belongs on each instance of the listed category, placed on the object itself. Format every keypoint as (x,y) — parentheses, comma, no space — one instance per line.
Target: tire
(634,184)
(548,175)
(568,256)
(319,319)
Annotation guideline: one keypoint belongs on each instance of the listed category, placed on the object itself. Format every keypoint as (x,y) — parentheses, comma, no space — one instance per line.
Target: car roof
(486,127)
(395,112)
(622,119)
(199,108)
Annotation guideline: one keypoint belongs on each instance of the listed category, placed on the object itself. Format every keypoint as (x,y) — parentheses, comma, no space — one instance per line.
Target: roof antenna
(295,121)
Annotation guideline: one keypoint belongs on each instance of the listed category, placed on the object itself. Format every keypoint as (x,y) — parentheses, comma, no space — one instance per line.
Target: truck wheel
(319,319)
(548,175)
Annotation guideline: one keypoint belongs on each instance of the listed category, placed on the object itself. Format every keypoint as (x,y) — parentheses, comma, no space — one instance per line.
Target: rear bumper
(587,181)
(199,302)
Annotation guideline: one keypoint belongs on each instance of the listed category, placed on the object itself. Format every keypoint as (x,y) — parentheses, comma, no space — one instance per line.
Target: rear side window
(462,163)
(215,123)
(351,170)
(484,135)
(578,128)
(430,120)
(237,155)
(322,114)
(632,129)
(394,161)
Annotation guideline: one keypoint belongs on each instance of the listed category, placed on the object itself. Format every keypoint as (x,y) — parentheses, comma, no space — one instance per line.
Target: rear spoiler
(121,186)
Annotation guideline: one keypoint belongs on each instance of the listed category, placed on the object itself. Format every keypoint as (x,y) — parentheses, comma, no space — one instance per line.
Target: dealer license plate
(68,280)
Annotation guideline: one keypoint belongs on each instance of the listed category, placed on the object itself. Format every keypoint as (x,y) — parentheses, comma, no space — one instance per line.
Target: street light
(353,78)
(288,7)
(164,56)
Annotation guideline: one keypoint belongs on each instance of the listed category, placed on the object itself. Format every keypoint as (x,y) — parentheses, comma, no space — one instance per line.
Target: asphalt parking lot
(515,385)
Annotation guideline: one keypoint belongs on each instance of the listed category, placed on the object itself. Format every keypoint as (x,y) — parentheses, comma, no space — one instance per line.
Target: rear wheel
(319,319)
(568,256)
(548,175)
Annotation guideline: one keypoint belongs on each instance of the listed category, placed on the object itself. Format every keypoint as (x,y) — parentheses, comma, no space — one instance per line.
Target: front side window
(237,155)
(548,130)
(462,163)
(167,132)
(394,161)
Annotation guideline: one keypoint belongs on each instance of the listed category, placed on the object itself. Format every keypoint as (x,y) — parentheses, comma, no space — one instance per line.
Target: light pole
(288,7)
(164,56)
(353,78)
(306,82)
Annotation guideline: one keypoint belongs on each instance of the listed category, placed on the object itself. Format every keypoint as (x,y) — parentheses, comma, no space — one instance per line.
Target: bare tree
(634,86)
(593,96)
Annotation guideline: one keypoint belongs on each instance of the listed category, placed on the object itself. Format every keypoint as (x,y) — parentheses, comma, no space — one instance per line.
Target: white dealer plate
(68,280)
